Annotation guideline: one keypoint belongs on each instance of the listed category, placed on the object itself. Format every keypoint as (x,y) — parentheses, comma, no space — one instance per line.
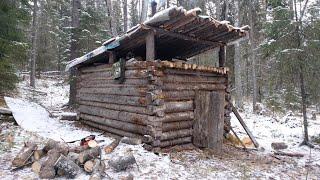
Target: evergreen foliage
(12,17)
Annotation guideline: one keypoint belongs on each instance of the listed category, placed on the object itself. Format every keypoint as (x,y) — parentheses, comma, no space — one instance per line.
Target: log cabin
(141,84)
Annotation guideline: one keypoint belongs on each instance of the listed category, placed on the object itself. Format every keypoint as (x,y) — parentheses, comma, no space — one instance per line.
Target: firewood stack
(57,159)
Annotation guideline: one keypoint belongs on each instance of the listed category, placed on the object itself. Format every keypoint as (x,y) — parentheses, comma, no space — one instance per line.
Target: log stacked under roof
(156,99)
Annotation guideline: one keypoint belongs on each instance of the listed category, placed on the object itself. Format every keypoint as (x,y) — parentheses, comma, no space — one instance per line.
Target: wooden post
(112,57)
(150,46)
(208,124)
(222,56)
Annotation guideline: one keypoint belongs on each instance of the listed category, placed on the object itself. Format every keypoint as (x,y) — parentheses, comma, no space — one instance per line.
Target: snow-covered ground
(191,164)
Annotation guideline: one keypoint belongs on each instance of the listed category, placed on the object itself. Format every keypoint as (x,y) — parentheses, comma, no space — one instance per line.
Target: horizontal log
(177,141)
(180,116)
(178,106)
(192,72)
(129,91)
(196,86)
(176,134)
(129,65)
(125,100)
(133,128)
(111,130)
(190,78)
(133,118)
(104,82)
(172,126)
(128,73)
(117,107)
(178,95)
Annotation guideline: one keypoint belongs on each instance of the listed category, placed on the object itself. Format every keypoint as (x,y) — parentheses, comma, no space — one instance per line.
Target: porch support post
(222,56)
(112,57)
(150,46)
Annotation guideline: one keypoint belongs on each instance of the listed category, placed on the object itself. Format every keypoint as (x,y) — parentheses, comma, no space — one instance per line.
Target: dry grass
(2,102)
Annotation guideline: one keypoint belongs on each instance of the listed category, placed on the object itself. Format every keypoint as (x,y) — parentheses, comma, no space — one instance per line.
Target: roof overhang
(178,34)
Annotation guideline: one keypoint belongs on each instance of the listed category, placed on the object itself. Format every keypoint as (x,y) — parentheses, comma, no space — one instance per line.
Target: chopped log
(92,143)
(179,106)
(89,154)
(24,155)
(243,124)
(5,111)
(109,148)
(280,153)
(69,168)
(131,141)
(74,157)
(47,170)
(88,166)
(106,82)
(38,154)
(98,170)
(52,144)
(36,166)
(78,149)
(122,162)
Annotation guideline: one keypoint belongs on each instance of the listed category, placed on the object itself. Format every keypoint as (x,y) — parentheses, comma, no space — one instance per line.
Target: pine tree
(13,17)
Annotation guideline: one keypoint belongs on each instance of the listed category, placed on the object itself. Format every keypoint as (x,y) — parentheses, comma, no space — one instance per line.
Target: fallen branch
(280,153)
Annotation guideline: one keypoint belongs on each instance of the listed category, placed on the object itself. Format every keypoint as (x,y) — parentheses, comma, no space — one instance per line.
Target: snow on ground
(191,164)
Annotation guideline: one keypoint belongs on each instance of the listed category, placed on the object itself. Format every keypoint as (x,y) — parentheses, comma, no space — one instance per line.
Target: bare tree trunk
(34,45)
(75,23)
(237,63)
(301,73)
(144,10)
(253,55)
(112,23)
(125,15)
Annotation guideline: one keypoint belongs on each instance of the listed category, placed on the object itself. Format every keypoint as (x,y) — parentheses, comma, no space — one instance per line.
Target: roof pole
(150,46)
(222,56)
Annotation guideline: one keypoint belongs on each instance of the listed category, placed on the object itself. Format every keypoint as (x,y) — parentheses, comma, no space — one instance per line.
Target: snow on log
(5,111)
(67,166)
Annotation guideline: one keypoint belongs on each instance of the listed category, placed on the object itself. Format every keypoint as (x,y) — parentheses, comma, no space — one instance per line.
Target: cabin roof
(179,34)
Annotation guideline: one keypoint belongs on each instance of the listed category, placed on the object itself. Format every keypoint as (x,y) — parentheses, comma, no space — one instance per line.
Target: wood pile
(155,100)
(57,159)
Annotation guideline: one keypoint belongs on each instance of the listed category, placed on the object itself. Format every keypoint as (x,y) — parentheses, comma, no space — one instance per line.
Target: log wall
(156,99)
